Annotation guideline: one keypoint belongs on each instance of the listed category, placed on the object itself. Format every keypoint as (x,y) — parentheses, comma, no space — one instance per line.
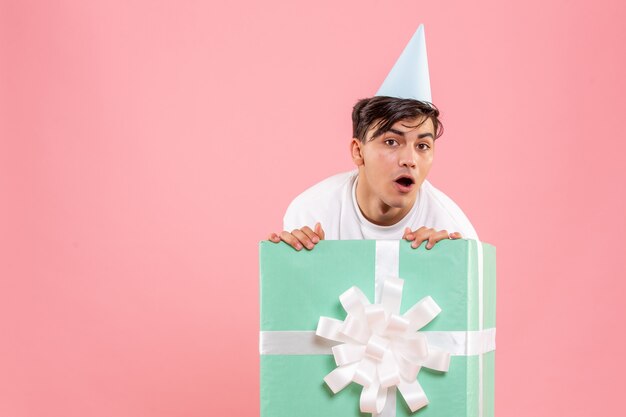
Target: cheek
(384,159)
(379,161)
(425,164)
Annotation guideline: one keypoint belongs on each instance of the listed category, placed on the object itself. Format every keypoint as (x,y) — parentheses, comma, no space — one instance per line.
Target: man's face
(394,164)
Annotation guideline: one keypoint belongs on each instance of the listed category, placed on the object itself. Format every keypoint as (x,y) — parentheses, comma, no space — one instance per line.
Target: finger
(311,234)
(408,235)
(417,234)
(274,238)
(421,235)
(455,235)
(291,240)
(320,232)
(436,237)
(303,238)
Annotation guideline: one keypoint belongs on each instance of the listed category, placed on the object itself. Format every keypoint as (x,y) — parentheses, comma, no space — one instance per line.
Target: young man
(387,196)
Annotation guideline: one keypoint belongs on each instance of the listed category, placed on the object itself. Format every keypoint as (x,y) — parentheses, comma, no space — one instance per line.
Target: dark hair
(385,111)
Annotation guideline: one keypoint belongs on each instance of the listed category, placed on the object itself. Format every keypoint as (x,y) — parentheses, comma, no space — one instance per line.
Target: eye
(391,142)
(423,146)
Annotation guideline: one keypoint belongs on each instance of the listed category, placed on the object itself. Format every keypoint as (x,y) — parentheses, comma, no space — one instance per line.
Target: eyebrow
(421,136)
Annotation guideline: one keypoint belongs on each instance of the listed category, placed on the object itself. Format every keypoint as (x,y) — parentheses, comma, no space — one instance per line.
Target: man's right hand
(298,238)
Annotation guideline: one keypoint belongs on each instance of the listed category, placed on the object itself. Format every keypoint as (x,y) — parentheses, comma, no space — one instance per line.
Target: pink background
(147,146)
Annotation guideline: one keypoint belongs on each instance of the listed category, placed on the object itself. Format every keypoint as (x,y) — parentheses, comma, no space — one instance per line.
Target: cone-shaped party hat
(409,76)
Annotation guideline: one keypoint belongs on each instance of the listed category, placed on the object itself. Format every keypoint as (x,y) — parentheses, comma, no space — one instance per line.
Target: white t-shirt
(332,202)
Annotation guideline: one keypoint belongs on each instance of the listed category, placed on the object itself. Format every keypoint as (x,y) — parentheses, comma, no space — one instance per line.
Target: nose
(408,158)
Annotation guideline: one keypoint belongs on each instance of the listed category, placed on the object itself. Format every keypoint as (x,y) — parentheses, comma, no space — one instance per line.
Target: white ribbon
(305,342)
(379,348)
(481,368)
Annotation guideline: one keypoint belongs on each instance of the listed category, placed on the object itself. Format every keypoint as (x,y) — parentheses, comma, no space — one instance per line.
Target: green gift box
(297,288)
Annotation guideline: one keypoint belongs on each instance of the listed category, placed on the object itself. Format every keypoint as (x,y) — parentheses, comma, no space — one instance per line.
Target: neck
(377,211)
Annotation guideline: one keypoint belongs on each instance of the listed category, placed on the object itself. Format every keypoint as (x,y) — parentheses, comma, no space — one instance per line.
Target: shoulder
(327,188)
(320,201)
(437,201)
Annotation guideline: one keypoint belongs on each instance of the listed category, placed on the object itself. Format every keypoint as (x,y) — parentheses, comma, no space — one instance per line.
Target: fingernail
(428,246)
(298,246)
(315,239)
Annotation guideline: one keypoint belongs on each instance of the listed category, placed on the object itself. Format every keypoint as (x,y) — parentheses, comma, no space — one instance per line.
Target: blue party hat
(409,76)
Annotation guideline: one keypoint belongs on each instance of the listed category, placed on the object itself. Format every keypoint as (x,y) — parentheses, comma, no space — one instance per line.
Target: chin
(398,203)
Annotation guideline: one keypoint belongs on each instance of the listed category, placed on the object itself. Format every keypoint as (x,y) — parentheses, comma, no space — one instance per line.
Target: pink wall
(147,146)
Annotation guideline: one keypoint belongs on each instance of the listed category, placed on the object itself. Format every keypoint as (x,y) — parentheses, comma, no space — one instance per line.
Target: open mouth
(405,181)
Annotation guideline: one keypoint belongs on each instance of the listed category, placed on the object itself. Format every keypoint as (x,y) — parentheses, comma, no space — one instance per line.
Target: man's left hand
(425,234)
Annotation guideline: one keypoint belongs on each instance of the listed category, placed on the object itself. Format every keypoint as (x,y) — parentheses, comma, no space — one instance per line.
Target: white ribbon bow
(380,349)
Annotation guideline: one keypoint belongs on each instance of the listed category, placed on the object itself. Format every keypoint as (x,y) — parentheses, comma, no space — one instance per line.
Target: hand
(424,234)
(299,237)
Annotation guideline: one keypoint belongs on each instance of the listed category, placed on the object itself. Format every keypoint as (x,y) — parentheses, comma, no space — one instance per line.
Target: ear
(356,148)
